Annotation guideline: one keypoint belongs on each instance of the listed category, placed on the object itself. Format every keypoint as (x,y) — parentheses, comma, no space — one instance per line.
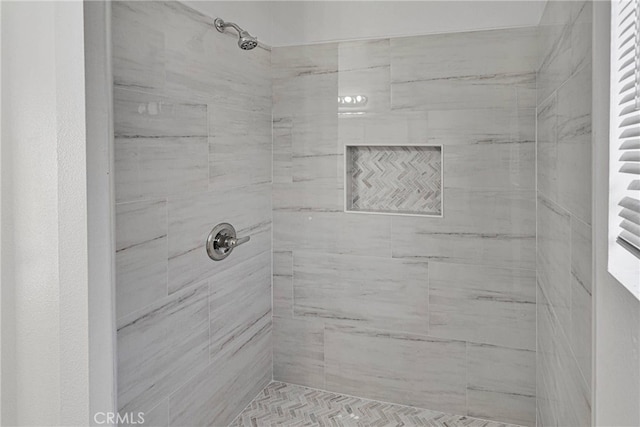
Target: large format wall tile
(193,148)
(246,285)
(138,42)
(581,292)
(566,394)
(501,383)
(574,145)
(554,257)
(217,394)
(564,43)
(159,167)
(298,351)
(206,66)
(283,284)
(160,347)
(239,147)
(479,227)
(140,115)
(365,69)
(484,69)
(367,291)
(333,232)
(160,145)
(305,80)
(396,367)
(386,128)
(472,93)
(191,219)
(564,215)
(547,149)
(482,304)
(141,254)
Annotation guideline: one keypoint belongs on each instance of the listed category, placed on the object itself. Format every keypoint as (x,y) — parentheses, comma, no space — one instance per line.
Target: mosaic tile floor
(281,404)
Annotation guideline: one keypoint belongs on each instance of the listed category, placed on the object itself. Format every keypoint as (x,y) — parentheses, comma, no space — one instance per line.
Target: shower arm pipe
(222,25)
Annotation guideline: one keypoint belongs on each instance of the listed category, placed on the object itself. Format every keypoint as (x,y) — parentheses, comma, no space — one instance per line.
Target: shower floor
(282,404)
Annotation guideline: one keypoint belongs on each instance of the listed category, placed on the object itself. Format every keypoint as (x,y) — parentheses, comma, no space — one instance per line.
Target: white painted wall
(286,23)
(44,218)
(616,311)
(99,105)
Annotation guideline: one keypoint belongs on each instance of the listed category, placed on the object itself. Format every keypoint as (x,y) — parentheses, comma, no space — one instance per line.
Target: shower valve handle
(222,240)
(229,242)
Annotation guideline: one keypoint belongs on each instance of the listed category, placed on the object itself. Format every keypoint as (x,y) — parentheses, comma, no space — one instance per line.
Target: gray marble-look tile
(316,155)
(194,50)
(482,304)
(574,145)
(282,151)
(508,166)
(396,367)
(309,196)
(361,290)
(191,218)
(298,351)
(581,43)
(565,393)
(141,115)
(160,145)
(481,126)
(281,404)
(332,232)
(246,285)
(554,258)
(363,55)
(388,128)
(394,179)
(141,254)
(581,307)
(314,135)
(304,60)
(156,417)
(503,90)
(547,380)
(282,284)
(240,147)
(483,69)
(564,43)
(305,80)
(501,383)
(147,168)
(492,228)
(374,82)
(217,394)
(161,347)
(486,149)
(547,149)
(463,54)
(554,48)
(138,45)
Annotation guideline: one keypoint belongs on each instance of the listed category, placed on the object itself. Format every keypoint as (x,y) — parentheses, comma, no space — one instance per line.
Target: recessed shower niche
(394,179)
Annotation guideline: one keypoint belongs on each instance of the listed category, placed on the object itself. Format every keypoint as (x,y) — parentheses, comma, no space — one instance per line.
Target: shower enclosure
(419,215)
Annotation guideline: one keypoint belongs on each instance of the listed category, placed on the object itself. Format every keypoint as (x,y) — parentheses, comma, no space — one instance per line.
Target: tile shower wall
(434,312)
(564,215)
(192,149)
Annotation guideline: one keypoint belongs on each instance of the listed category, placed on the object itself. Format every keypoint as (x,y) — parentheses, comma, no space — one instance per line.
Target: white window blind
(624,212)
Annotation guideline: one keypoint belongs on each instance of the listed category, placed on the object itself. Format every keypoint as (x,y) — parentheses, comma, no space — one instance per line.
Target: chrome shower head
(245,40)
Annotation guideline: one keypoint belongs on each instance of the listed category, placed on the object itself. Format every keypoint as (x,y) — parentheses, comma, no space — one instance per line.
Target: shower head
(245,40)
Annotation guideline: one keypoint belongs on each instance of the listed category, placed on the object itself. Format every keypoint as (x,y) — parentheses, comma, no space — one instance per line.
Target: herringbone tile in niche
(394,179)
(281,404)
